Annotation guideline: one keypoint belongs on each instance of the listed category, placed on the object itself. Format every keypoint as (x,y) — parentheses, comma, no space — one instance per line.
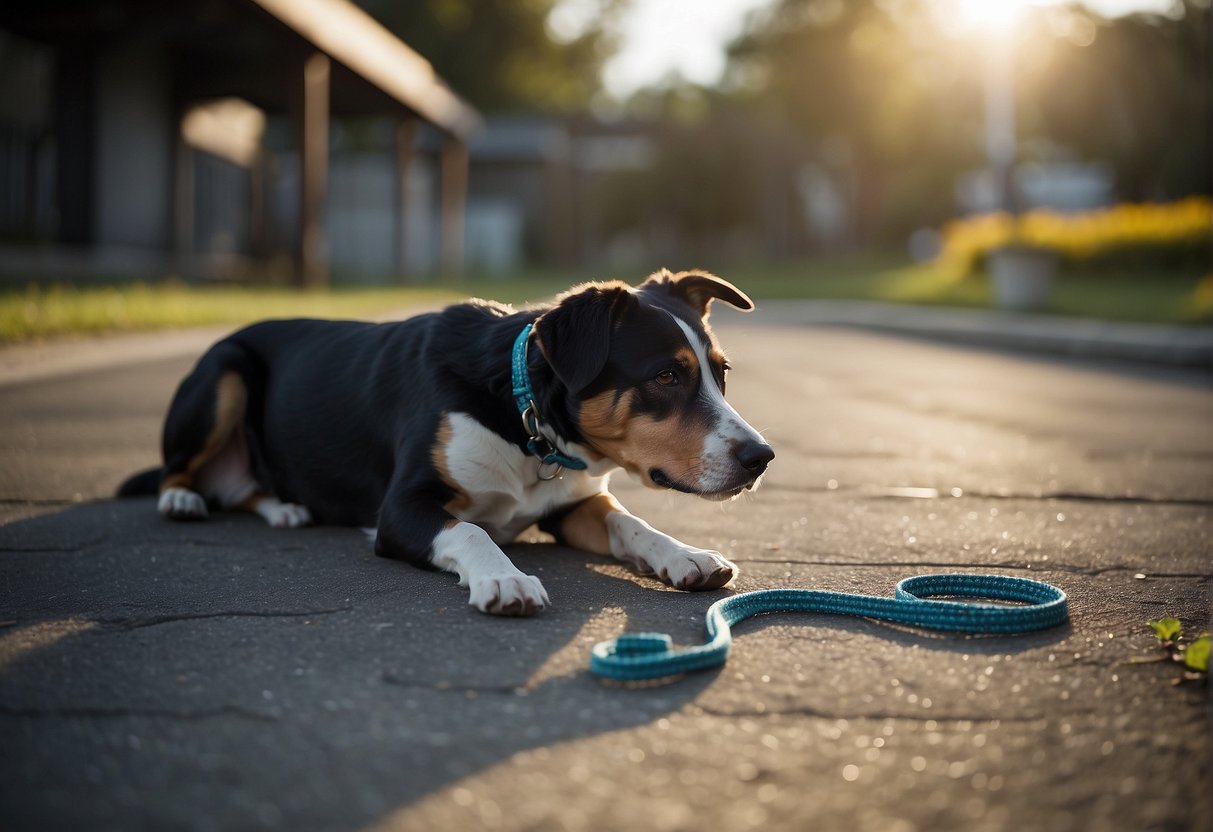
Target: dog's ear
(575,335)
(698,289)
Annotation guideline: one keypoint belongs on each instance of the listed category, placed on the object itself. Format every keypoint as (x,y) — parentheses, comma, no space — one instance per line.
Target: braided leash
(636,656)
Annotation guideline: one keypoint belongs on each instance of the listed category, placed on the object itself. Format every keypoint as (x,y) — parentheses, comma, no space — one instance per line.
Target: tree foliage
(885,92)
(500,54)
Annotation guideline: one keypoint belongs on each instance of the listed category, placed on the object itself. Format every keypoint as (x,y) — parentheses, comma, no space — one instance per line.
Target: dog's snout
(754,456)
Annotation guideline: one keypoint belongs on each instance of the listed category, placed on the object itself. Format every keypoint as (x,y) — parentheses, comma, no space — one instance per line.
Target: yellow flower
(1136,229)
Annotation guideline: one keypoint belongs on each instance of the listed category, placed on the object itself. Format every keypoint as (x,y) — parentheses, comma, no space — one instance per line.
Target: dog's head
(646,381)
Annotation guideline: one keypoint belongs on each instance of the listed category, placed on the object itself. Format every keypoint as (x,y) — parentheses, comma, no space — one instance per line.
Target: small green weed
(1193,655)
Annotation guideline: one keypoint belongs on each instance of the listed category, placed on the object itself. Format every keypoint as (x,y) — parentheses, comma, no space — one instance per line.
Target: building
(137,137)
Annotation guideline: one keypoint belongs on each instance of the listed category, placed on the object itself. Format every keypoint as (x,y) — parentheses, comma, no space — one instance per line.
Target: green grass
(37,312)
(40,312)
(1176,298)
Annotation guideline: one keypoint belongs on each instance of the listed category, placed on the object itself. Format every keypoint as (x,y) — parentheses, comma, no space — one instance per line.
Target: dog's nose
(754,456)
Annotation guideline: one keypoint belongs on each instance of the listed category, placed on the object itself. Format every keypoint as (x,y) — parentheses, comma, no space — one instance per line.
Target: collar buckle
(550,457)
(540,446)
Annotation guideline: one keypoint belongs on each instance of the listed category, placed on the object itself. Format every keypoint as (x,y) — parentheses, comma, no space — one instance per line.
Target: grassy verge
(37,312)
(40,312)
(1174,298)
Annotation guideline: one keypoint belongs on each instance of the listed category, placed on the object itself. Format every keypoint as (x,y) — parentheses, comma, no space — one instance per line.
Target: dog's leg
(601,525)
(421,531)
(206,410)
(206,455)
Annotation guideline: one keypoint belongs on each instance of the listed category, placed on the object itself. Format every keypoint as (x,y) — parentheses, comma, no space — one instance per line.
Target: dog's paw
(182,504)
(284,515)
(516,594)
(697,569)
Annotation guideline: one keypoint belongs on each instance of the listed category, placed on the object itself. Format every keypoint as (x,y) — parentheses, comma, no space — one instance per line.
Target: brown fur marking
(461,500)
(639,442)
(585,526)
(686,357)
(179,480)
(230,401)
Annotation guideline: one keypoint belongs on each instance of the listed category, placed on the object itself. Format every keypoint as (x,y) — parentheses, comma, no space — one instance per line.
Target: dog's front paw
(516,594)
(697,570)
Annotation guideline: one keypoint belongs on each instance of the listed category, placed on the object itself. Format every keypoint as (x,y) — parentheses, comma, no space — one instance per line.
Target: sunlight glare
(993,16)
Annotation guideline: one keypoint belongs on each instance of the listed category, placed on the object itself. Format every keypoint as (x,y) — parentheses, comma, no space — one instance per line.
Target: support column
(313,266)
(183,199)
(454,205)
(406,137)
(75,124)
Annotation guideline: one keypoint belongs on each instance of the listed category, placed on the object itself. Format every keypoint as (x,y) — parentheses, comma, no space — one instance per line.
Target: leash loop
(637,656)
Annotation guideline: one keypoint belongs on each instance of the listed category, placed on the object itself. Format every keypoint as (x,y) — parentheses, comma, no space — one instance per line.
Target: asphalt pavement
(225,675)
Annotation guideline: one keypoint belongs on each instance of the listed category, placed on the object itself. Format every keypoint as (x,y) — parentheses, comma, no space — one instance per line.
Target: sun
(992,16)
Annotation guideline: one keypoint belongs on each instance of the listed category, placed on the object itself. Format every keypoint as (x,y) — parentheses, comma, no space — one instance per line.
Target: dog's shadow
(296,667)
(161,672)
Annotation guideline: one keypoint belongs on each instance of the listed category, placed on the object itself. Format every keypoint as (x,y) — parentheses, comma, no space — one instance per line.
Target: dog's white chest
(500,487)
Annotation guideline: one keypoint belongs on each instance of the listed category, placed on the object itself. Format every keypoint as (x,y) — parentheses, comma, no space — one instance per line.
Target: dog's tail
(141,484)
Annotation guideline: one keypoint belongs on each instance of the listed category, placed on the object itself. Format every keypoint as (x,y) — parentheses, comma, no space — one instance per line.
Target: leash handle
(638,656)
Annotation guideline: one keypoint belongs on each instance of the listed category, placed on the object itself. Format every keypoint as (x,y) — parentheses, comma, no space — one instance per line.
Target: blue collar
(524,398)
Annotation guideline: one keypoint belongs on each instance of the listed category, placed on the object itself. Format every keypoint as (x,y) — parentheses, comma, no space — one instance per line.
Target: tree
(501,55)
(1134,92)
(883,81)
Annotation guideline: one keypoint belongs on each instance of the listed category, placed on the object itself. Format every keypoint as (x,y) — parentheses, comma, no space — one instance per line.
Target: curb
(1190,347)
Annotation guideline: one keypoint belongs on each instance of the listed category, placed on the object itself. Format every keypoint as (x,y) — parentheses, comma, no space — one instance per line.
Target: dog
(448,434)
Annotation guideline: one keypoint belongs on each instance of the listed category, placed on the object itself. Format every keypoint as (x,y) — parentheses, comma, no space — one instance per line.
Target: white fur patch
(502,483)
(495,585)
(282,515)
(730,430)
(225,478)
(652,552)
(181,504)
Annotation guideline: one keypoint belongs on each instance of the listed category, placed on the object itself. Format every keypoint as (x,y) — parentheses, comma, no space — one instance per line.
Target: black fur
(141,484)
(342,416)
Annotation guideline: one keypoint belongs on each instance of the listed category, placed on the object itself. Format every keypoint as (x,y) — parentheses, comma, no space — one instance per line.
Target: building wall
(134,151)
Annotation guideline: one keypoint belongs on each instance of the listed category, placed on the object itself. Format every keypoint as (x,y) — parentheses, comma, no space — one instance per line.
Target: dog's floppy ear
(575,335)
(699,288)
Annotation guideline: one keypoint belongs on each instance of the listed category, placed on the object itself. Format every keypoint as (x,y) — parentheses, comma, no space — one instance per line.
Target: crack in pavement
(880,715)
(1085,497)
(104,712)
(67,550)
(114,624)
(922,493)
(1044,566)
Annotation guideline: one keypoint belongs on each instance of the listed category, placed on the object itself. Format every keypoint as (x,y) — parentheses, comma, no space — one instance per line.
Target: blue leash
(635,656)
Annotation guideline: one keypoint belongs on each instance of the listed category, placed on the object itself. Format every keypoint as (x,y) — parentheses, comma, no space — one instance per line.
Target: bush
(1133,236)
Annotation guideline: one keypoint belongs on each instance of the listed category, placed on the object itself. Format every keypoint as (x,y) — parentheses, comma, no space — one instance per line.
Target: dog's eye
(666,378)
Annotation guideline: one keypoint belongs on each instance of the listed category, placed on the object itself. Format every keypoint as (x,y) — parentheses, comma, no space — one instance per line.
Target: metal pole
(1001,145)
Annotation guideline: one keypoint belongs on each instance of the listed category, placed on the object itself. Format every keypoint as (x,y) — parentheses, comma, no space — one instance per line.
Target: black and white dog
(452,432)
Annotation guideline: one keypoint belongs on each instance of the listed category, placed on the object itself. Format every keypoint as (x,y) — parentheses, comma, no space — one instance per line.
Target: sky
(688,37)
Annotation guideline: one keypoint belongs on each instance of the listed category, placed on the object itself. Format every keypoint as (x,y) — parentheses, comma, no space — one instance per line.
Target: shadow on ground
(222,674)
